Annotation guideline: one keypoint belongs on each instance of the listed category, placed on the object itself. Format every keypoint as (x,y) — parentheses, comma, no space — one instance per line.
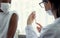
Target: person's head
(54,6)
(4,5)
(5,1)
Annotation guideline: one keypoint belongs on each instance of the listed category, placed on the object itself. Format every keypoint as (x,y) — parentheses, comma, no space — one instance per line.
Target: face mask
(49,12)
(5,7)
(50,17)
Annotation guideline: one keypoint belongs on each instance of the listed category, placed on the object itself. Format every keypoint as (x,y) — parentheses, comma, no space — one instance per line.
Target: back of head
(56,6)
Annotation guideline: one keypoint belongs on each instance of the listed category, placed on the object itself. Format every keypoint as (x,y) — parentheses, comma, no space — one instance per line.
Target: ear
(47,6)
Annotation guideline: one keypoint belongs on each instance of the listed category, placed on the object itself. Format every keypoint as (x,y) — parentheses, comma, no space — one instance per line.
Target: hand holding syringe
(31,18)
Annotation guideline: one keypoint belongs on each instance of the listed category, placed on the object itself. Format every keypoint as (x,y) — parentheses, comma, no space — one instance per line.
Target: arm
(12,26)
(30,33)
(47,33)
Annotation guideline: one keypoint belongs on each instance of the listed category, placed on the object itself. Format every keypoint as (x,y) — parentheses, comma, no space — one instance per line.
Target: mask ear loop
(0,7)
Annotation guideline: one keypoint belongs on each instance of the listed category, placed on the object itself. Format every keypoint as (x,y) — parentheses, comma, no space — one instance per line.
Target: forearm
(30,33)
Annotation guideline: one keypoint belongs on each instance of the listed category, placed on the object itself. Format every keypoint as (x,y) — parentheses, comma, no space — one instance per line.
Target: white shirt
(4,23)
(50,31)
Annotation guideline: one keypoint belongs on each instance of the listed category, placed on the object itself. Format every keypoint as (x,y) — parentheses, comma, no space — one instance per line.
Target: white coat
(50,31)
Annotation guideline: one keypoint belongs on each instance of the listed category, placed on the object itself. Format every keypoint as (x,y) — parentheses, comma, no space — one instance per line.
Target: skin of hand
(31,18)
(39,27)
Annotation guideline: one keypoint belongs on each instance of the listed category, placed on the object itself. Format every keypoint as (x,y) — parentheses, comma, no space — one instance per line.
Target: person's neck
(54,13)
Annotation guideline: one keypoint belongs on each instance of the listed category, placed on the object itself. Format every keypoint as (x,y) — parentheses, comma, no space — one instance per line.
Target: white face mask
(50,17)
(49,12)
(5,7)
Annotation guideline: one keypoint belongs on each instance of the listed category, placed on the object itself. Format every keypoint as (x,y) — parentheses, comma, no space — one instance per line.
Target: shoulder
(14,18)
(13,14)
(51,28)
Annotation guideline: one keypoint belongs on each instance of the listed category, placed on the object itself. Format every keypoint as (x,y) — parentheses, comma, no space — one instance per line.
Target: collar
(57,20)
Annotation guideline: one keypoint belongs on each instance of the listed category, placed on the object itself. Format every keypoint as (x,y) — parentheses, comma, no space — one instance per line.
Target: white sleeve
(30,33)
(47,33)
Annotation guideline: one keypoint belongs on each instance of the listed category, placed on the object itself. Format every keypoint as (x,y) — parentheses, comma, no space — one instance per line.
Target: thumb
(39,25)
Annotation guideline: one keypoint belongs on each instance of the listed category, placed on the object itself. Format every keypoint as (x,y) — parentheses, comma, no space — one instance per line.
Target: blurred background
(24,8)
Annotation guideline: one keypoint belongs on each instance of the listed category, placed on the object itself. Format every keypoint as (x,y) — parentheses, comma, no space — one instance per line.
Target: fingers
(32,15)
(39,25)
(38,28)
(33,12)
(31,18)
